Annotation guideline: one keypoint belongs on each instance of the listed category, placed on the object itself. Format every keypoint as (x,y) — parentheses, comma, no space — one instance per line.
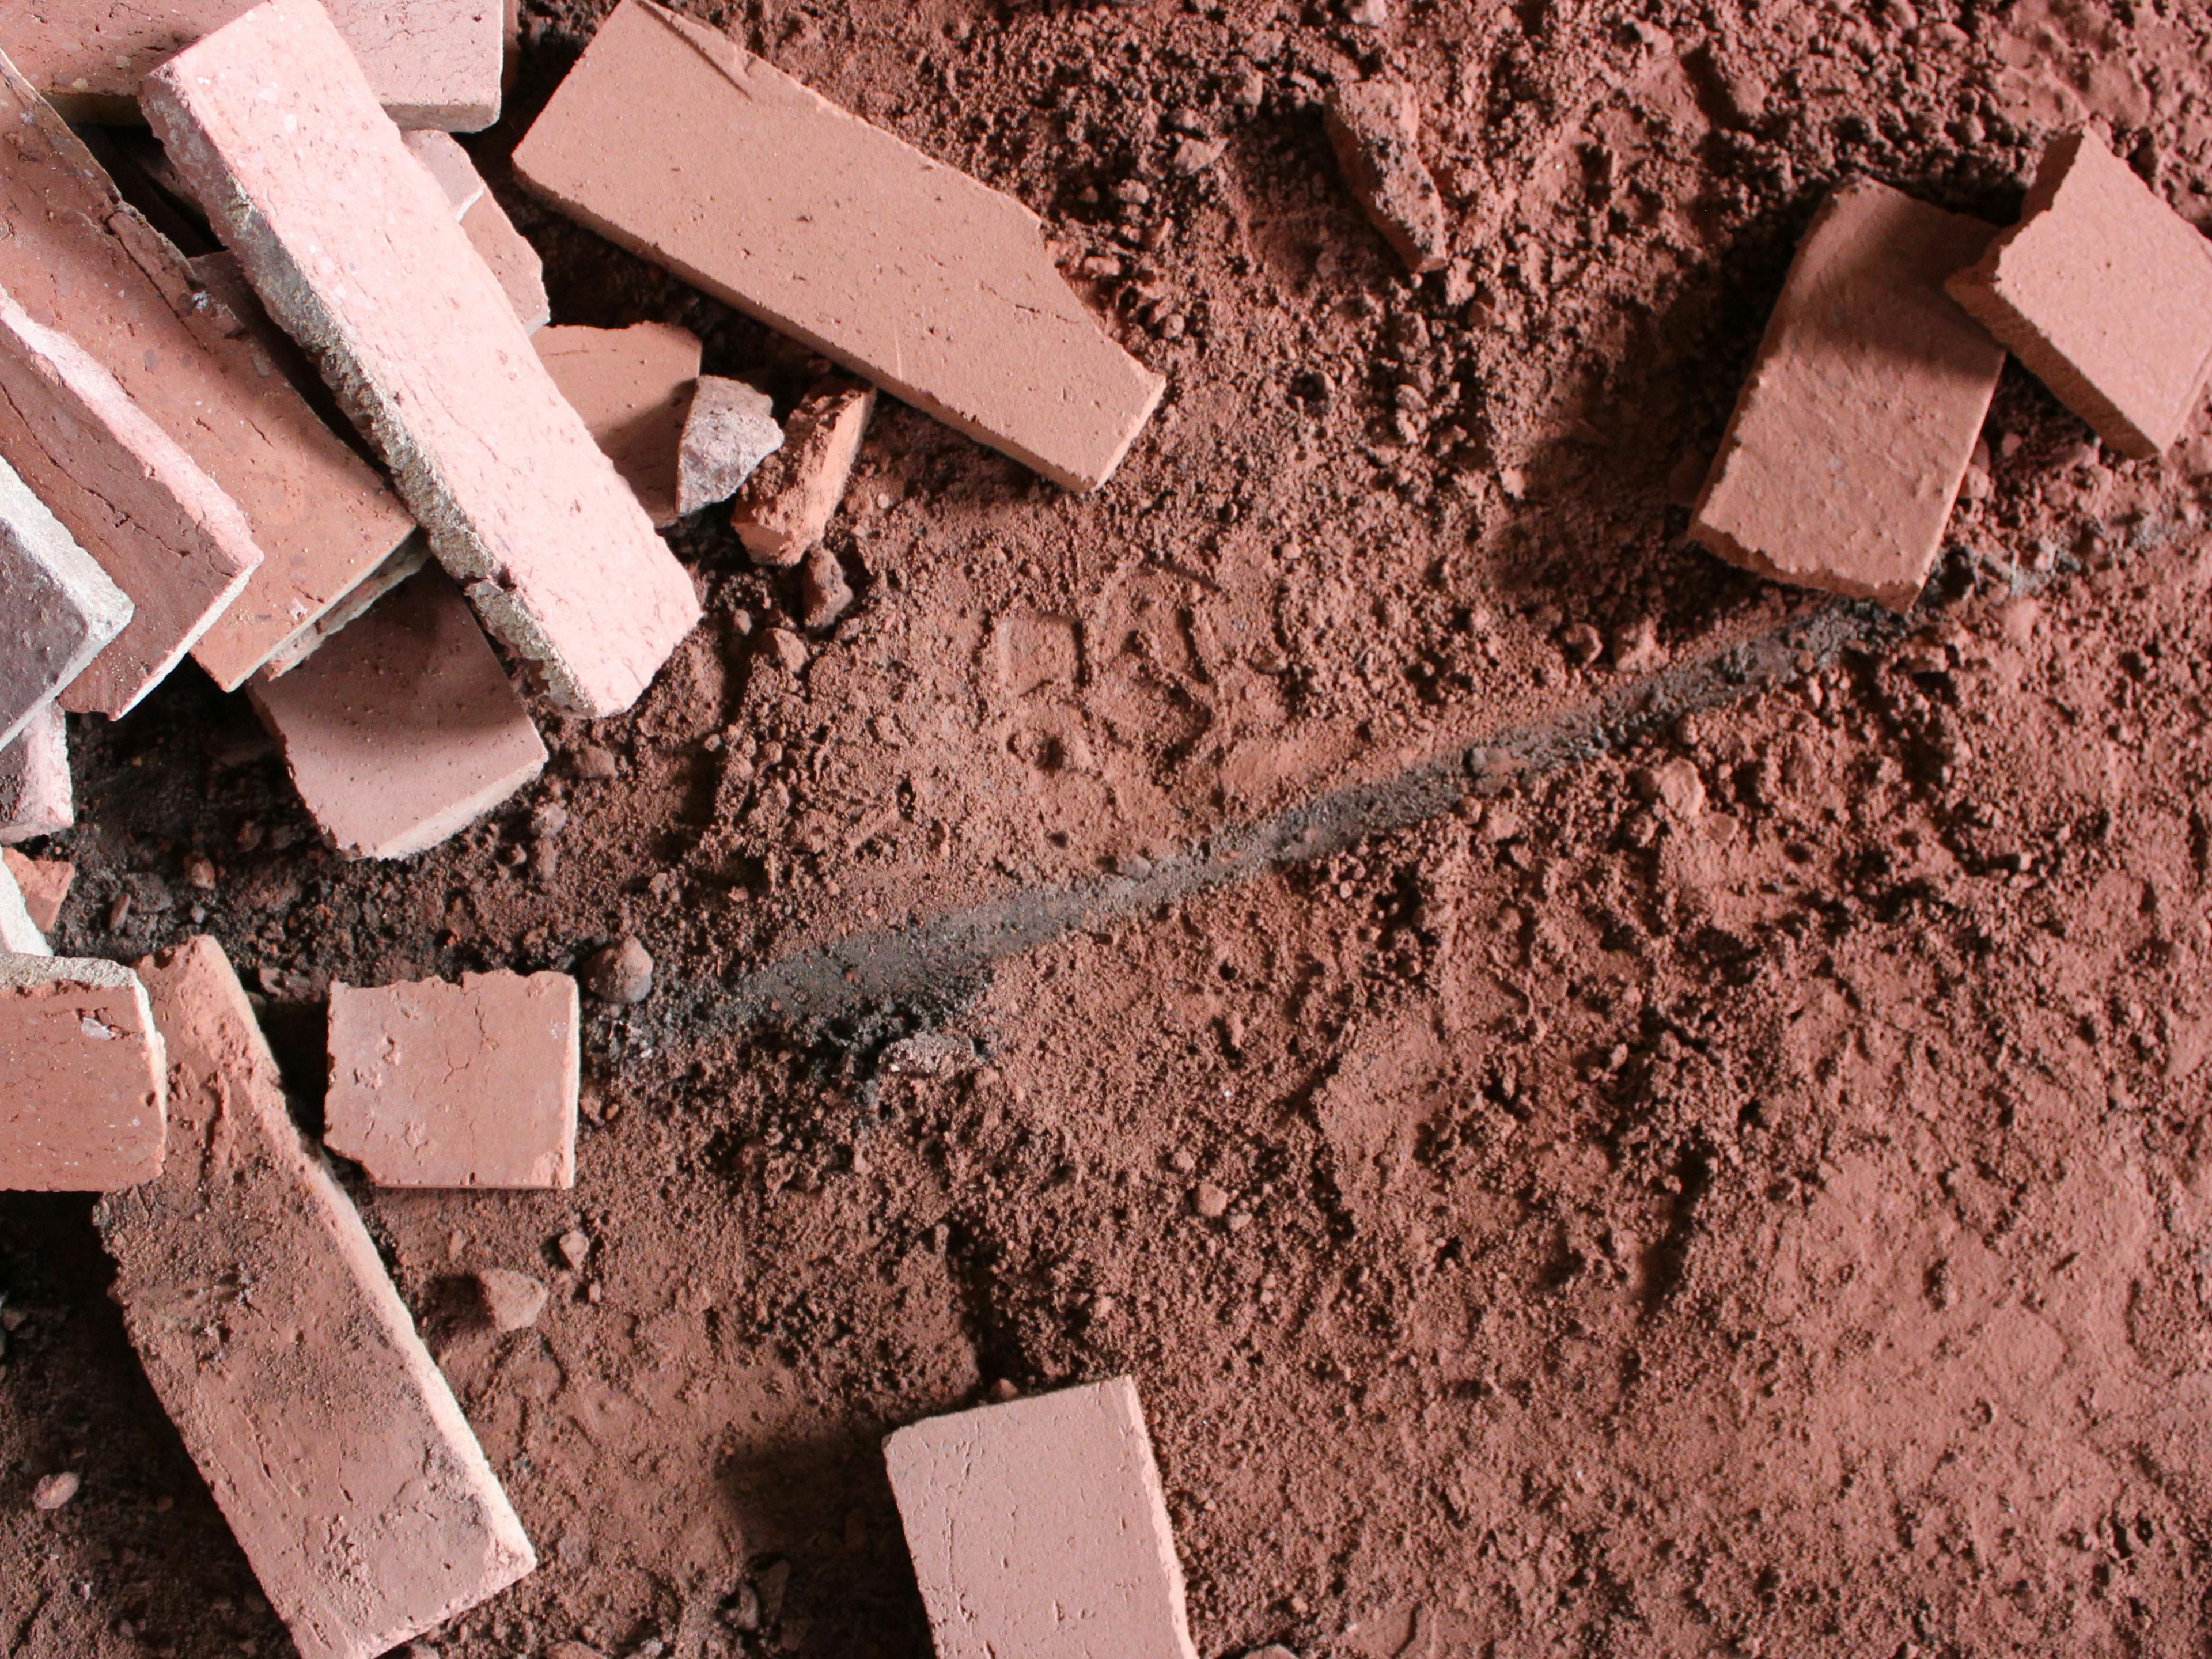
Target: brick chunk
(633,387)
(42,883)
(36,796)
(58,608)
(355,252)
(432,62)
(334,1448)
(1851,436)
(2107,295)
(83,1108)
(473,1085)
(442,154)
(672,140)
(788,503)
(403,730)
(1039,1531)
(1375,128)
(730,430)
(82,262)
(20,934)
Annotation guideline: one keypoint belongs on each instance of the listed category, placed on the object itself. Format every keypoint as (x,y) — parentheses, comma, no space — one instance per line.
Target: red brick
(474,1084)
(403,730)
(789,499)
(2105,293)
(333,1445)
(1038,1529)
(43,883)
(354,250)
(674,141)
(1375,128)
(83,1108)
(633,387)
(36,796)
(59,609)
(1853,431)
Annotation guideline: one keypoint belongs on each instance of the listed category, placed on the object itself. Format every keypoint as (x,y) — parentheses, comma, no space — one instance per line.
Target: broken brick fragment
(2106,294)
(511,1301)
(730,429)
(1375,128)
(36,797)
(86,1077)
(633,387)
(474,1084)
(443,158)
(58,609)
(789,501)
(43,883)
(20,932)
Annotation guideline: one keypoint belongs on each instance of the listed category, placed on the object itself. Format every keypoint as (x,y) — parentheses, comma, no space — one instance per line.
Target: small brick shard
(1375,128)
(672,140)
(59,609)
(730,430)
(474,1084)
(36,797)
(330,1441)
(354,250)
(432,63)
(42,883)
(633,387)
(504,250)
(20,933)
(511,1301)
(443,158)
(788,503)
(2106,294)
(82,1109)
(1853,432)
(1038,1529)
(403,730)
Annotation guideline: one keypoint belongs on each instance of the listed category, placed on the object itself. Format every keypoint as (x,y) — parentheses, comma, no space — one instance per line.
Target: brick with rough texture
(354,250)
(1853,431)
(58,608)
(2106,294)
(85,1078)
(36,797)
(1038,1529)
(44,884)
(1375,128)
(331,1444)
(672,140)
(473,1085)
(633,387)
(787,503)
(403,730)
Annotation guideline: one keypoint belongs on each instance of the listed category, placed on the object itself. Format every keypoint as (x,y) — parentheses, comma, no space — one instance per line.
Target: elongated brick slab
(80,260)
(36,797)
(81,1108)
(1851,436)
(354,250)
(162,530)
(403,729)
(2105,293)
(58,608)
(334,1448)
(1038,1529)
(432,62)
(672,140)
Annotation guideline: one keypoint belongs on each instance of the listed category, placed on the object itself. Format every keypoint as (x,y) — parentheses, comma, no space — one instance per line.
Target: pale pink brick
(36,797)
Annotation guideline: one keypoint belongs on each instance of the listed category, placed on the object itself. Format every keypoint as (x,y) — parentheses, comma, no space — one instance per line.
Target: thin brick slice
(58,608)
(633,387)
(2105,293)
(473,1085)
(432,63)
(35,794)
(789,501)
(403,730)
(410,556)
(520,272)
(81,1110)
(1853,432)
(672,140)
(330,1441)
(354,249)
(1038,1529)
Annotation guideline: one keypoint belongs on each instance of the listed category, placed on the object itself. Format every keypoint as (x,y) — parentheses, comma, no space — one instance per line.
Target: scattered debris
(789,501)
(1374,127)
(58,608)
(53,1490)
(905,270)
(575,1247)
(633,387)
(35,794)
(731,430)
(511,1301)
(622,973)
(83,1107)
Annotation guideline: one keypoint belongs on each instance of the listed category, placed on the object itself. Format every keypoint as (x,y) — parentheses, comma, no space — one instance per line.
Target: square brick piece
(1852,433)
(330,1441)
(2105,293)
(1038,1529)
(474,1084)
(354,250)
(58,608)
(86,1078)
(36,797)
(633,387)
(674,141)
(403,730)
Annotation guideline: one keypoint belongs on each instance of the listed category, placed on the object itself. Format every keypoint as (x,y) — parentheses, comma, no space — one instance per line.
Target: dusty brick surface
(36,797)
(354,250)
(1375,128)
(473,1085)
(1852,431)
(58,608)
(44,884)
(672,140)
(1038,1529)
(333,1446)
(2106,294)
(81,1107)
(787,503)
(633,387)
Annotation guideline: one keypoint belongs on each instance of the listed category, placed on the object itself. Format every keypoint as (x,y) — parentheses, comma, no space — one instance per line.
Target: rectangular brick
(410,556)
(355,252)
(276,1341)
(58,608)
(474,1084)
(2105,293)
(1853,431)
(1038,1529)
(633,387)
(83,1108)
(81,261)
(403,730)
(42,883)
(672,140)
(432,62)
(36,796)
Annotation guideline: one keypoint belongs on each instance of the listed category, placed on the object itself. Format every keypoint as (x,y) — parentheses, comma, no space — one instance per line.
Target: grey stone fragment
(731,430)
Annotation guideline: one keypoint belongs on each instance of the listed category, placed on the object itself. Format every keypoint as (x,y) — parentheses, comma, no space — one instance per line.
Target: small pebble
(55,1490)
(575,1247)
(593,761)
(511,1301)
(1209,1200)
(622,973)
